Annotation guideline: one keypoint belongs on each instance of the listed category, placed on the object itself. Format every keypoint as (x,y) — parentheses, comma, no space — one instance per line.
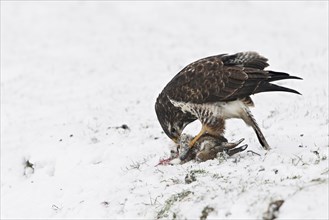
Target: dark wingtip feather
(275,76)
(268,87)
(296,77)
(295,91)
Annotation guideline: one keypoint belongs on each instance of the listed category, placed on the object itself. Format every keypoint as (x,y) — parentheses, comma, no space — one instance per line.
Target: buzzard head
(172,119)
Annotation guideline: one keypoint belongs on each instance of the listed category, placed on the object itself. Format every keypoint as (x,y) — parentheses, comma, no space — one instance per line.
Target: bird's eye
(173,130)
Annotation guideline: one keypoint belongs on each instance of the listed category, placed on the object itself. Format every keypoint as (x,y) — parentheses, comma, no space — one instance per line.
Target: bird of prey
(214,89)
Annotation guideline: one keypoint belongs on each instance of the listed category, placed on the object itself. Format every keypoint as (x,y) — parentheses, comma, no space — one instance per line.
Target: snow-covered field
(74,75)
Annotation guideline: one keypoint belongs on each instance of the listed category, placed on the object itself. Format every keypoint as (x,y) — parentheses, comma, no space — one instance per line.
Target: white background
(73,72)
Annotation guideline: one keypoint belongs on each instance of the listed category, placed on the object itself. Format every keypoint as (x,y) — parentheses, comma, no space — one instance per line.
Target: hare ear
(232,145)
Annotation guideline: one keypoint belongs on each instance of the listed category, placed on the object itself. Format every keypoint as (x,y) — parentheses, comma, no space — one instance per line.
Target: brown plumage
(214,89)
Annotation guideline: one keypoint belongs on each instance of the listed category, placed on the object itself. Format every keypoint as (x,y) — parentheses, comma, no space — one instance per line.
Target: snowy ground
(72,73)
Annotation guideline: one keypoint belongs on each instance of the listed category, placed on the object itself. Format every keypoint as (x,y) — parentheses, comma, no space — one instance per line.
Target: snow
(72,73)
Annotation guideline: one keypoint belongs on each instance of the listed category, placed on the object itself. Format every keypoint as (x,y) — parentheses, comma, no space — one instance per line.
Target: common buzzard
(214,89)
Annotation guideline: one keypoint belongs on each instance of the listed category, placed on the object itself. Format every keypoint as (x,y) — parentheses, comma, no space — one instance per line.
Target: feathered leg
(250,120)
